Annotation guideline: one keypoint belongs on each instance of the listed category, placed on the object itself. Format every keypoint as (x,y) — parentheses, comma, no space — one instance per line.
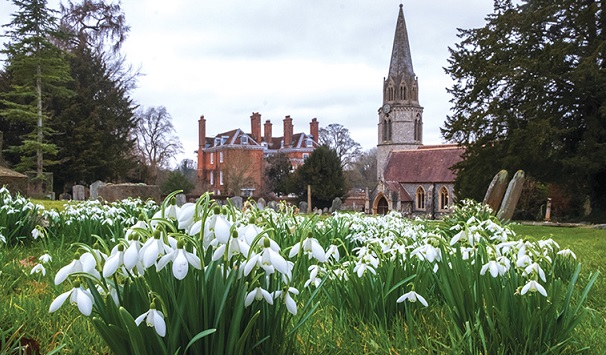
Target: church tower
(400,117)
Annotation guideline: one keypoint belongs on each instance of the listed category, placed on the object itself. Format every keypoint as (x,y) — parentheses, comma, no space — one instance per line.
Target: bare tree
(239,171)
(363,171)
(337,138)
(157,142)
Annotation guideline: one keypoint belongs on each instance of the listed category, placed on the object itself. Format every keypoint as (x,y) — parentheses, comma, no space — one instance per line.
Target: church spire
(401,59)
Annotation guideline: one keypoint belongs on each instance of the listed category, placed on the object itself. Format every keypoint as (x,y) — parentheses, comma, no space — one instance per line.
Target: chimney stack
(314,130)
(255,126)
(288,131)
(267,132)
(201,144)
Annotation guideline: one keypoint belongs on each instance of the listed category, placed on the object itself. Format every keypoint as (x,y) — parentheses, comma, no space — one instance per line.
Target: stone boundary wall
(116,192)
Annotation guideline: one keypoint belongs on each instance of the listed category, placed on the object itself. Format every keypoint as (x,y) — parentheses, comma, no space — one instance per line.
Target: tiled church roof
(426,164)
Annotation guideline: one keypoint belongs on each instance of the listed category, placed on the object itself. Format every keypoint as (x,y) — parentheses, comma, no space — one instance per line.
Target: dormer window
(244,139)
(264,145)
(224,139)
(309,142)
(282,143)
(217,141)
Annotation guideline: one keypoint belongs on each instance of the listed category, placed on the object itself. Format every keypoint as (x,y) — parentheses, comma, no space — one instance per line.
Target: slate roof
(427,164)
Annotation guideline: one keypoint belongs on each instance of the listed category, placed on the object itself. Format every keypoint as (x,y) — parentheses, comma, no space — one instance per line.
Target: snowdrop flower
(153,318)
(171,211)
(38,268)
(154,248)
(495,268)
(290,303)
(311,248)
(235,245)
(131,254)
(221,228)
(35,233)
(133,229)
(361,267)
(85,263)
(461,235)
(534,268)
(523,261)
(249,232)
(258,294)
(533,286)
(78,296)
(181,260)
(333,252)
(115,260)
(186,215)
(567,253)
(412,296)
(112,293)
(45,258)
(313,276)
(269,259)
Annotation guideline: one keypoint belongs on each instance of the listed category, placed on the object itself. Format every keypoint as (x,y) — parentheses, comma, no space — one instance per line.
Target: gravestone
(496,190)
(94,189)
(78,192)
(261,203)
(303,207)
(273,205)
(514,190)
(336,205)
(236,201)
(180,199)
(65,196)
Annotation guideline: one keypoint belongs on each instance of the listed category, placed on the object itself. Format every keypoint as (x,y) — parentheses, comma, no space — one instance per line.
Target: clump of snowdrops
(82,221)
(18,218)
(200,278)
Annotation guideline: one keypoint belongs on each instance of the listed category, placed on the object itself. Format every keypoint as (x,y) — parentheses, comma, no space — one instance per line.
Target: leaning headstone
(180,199)
(514,190)
(78,192)
(94,189)
(336,205)
(303,207)
(496,190)
(237,202)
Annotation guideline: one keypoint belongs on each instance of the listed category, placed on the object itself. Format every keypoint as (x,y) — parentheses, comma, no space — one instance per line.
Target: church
(413,178)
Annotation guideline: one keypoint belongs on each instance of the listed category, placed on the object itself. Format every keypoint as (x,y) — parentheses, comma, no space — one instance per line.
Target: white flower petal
(180,265)
(58,302)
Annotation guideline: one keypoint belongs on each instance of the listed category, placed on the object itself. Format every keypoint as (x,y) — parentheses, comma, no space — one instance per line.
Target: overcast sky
(317,58)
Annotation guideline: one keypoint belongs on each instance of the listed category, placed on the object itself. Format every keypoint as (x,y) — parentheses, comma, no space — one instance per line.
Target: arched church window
(386,130)
(402,92)
(420,198)
(444,198)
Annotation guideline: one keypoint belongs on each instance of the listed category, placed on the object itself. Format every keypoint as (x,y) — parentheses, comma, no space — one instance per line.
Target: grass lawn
(25,298)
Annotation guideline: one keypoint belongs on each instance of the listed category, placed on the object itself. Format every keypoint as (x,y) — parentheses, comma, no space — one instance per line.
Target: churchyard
(135,277)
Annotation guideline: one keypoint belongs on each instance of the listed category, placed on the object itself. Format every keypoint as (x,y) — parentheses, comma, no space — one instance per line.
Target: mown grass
(25,298)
